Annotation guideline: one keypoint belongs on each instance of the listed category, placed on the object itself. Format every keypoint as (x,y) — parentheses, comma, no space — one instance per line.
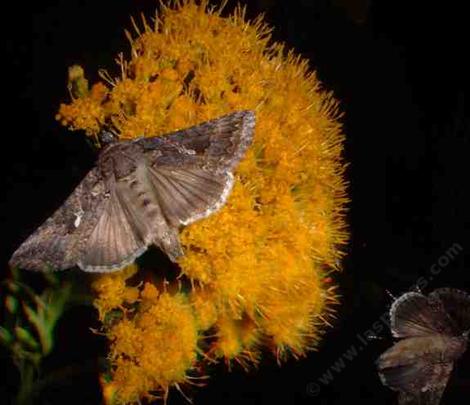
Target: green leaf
(25,337)
(6,338)
(11,304)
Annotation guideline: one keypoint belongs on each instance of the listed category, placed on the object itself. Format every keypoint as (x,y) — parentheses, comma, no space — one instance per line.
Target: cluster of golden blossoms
(255,273)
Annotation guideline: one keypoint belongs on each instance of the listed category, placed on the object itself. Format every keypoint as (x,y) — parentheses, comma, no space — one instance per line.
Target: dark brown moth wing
(57,243)
(457,306)
(413,314)
(217,145)
(190,171)
(415,368)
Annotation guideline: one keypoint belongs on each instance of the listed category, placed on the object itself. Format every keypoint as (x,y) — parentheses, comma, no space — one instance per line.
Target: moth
(434,332)
(140,193)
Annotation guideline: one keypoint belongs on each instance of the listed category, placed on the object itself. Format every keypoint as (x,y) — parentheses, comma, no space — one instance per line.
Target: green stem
(27,374)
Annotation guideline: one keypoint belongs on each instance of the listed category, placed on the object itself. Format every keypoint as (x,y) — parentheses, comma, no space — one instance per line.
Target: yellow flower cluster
(112,291)
(152,349)
(257,269)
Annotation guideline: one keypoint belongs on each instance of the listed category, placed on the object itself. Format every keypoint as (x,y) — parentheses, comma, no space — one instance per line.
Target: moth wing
(186,194)
(403,368)
(413,314)
(218,145)
(457,306)
(55,245)
(190,171)
(431,397)
(122,232)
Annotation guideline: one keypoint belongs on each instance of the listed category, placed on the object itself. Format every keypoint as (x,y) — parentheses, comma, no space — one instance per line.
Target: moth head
(107,137)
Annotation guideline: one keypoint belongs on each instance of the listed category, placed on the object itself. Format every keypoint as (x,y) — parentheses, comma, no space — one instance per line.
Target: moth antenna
(391,295)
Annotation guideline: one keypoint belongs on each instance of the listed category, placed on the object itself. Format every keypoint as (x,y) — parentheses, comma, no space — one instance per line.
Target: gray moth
(433,332)
(140,193)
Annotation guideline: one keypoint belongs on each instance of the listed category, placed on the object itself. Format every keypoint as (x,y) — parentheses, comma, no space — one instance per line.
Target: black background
(400,73)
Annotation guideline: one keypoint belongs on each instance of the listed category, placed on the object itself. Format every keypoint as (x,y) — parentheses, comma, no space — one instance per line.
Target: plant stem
(27,374)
